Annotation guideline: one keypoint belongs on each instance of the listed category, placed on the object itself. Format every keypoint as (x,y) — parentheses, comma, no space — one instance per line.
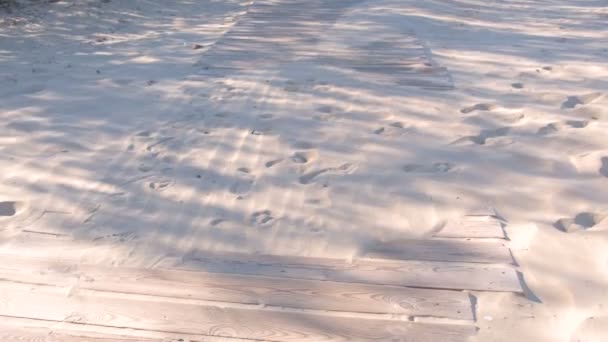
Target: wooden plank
(436,275)
(13,334)
(52,331)
(478,227)
(490,252)
(280,292)
(48,303)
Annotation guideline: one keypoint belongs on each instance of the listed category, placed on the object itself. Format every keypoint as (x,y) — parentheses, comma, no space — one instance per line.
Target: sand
(123,142)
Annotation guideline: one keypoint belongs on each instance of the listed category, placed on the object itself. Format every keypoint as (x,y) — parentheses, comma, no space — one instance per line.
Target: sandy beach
(136,134)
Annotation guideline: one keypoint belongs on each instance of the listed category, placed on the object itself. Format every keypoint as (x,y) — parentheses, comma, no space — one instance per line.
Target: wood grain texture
(280,292)
(51,304)
(13,334)
(426,274)
(52,331)
(473,227)
(442,250)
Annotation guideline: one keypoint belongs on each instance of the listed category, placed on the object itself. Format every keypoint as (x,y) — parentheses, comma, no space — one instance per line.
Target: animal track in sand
(262,218)
(439,167)
(574,101)
(10,208)
(310,177)
(557,126)
(479,107)
(604,168)
(581,221)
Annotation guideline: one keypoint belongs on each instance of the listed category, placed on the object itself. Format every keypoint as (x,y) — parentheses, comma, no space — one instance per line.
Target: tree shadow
(134,154)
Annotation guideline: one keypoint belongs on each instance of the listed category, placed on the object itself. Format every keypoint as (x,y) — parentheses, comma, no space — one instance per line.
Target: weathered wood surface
(14,334)
(425,274)
(472,227)
(490,252)
(320,33)
(25,329)
(280,292)
(52,304)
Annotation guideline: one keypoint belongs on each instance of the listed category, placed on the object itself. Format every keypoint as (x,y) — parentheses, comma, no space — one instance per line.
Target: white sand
(118,147)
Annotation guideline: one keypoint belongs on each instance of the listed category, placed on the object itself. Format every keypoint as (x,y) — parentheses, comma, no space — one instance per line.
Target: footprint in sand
(303,157)
(604,168)
(483,137)
(326,113)
(262,130)
(160,142)
(310,177)
(580,100)
(291,86)
(116,237)
(241,187)
(557,126)
(244,182)
(303,145)
(392,129)
(272,163)
(160,184)
(581,221)
(439,167)
(479,107)
(143,167)
(216,222)
(262,218)
(265,116)
(10,208)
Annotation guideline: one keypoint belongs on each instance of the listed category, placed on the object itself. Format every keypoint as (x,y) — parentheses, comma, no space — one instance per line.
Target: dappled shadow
(120,143)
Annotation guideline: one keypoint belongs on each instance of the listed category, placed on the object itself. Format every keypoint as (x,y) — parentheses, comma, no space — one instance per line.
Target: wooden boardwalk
(308,32)
(235,297)
(408,290)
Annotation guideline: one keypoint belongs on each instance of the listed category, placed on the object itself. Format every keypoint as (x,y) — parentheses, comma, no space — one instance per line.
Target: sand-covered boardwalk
(290,170)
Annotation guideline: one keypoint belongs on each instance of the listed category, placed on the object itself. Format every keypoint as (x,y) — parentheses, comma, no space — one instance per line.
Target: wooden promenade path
(402,291)
(408,290)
